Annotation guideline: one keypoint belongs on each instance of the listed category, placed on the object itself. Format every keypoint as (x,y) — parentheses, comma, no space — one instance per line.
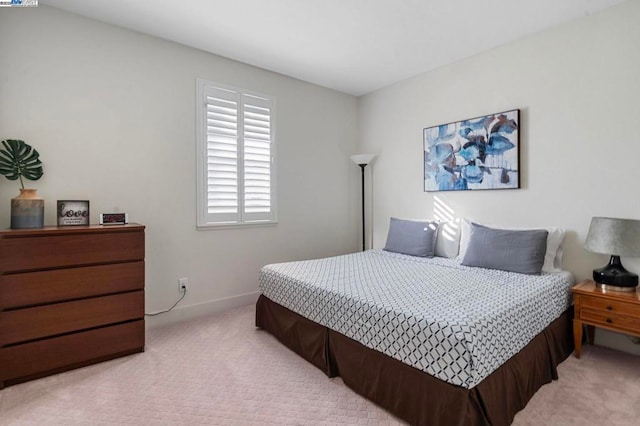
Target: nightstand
(611,310)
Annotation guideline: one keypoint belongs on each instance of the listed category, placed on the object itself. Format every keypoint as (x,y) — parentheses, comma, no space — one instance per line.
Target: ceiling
(354,46)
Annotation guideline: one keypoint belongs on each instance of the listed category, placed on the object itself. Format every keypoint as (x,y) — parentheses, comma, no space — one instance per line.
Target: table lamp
(616,237)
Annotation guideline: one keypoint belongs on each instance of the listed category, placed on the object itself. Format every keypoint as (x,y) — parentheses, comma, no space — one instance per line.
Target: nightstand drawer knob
(609,320)
(609,308)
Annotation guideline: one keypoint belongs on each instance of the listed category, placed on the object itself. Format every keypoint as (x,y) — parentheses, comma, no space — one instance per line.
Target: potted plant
(19,160)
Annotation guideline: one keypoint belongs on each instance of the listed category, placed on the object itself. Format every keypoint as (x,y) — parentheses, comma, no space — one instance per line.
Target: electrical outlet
(182,285)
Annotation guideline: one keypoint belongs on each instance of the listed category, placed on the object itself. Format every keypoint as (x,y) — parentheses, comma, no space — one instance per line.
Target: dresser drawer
(29,253)
(619,322)
(70,351)
(34,323)
(614,306)
(35,288)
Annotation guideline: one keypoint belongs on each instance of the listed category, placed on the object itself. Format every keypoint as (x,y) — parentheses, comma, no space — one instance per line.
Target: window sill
(214,226)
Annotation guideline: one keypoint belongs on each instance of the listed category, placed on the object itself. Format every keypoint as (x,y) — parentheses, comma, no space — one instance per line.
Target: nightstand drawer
(620,322)
(615,306)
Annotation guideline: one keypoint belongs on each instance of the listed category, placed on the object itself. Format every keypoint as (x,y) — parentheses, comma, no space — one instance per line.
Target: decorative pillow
(412,237)
(508,250)
(552,259)
(448,239)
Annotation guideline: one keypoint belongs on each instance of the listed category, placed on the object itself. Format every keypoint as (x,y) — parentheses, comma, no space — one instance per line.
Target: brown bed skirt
(414,395)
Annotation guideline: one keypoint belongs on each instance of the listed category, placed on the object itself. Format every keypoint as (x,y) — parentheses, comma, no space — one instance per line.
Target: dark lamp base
(615,277)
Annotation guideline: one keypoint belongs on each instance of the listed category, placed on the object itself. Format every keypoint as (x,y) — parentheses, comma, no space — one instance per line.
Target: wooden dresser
(615,311)
(69,297)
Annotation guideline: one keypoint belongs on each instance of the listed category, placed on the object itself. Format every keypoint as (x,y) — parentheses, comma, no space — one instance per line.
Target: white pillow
(552,259)
(448,239)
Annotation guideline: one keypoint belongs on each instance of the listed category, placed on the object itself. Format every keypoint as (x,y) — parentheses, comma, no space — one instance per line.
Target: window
(236,156)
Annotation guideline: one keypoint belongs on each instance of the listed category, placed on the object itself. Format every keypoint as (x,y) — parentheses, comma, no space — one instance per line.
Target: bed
(431,340)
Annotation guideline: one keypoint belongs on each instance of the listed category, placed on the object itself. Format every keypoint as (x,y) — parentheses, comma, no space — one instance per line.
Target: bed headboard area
(515,249)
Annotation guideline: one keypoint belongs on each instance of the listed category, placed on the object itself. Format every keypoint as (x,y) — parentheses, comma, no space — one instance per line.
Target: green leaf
(18,159)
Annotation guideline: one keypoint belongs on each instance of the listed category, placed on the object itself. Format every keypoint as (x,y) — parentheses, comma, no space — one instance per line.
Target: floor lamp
(362,160)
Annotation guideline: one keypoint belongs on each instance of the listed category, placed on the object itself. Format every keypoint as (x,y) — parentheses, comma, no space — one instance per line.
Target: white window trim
(201,161)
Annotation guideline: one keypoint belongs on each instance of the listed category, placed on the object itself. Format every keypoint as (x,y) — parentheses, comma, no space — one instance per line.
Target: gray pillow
(412,237)
(508,250)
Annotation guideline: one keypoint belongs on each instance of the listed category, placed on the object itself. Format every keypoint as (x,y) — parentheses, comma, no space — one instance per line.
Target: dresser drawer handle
(609,308)
(609,320)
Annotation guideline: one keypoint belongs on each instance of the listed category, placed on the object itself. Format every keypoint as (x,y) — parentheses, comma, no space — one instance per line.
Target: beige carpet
(221,370)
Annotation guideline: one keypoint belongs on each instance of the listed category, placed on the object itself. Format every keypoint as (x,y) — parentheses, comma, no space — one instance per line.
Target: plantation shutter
(257,158)
(239,157)
(222,155)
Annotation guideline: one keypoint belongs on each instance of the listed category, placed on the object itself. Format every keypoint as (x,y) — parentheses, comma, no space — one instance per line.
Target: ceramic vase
(27,210)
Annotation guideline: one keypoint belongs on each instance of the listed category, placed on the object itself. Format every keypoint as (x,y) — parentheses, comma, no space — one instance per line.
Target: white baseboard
(179,314)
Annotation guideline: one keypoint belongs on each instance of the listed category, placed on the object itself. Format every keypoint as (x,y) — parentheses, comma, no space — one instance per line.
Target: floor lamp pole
(362,166)
(362,160)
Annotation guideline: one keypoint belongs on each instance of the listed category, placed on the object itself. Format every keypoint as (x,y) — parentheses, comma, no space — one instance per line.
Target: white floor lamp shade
(360,159)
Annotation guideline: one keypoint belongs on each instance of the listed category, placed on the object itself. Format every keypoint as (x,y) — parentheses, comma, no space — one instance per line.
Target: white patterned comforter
(454,322)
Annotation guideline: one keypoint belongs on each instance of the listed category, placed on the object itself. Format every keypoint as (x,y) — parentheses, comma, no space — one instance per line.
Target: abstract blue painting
(479,153)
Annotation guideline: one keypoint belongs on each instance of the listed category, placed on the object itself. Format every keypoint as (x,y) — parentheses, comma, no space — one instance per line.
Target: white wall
(578,89)
(112,113)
